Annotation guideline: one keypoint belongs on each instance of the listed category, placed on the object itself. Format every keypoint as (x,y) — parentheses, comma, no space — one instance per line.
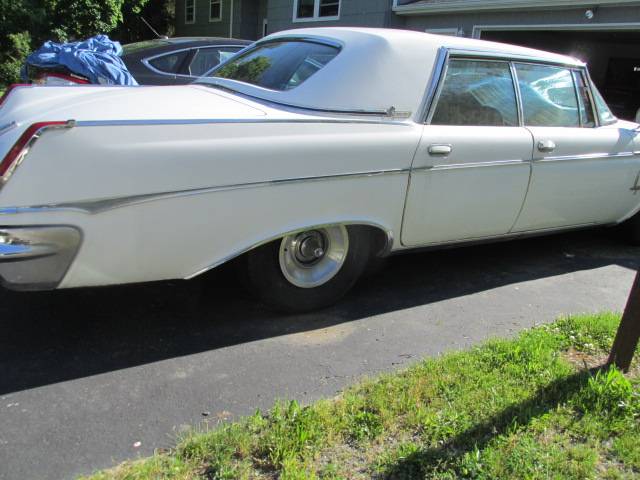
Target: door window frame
(513,84)
(445,55)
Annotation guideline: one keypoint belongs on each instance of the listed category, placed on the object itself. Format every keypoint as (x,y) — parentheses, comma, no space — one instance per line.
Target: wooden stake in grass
(629,331)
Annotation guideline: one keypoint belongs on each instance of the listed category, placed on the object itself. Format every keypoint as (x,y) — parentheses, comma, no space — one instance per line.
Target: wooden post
(628,334)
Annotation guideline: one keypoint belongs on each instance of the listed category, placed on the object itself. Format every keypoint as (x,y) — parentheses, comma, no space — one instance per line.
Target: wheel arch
(383,241)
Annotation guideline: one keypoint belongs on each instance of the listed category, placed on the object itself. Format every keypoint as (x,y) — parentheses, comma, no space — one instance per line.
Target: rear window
(169,63)
(278,65)
(207,58)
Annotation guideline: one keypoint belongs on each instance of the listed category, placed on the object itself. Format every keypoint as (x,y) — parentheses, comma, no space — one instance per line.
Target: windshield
(281,65)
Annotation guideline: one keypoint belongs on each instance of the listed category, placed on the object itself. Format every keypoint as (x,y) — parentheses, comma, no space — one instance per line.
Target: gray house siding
(247,22)
(469,23)
(362,13)
(249,16)
(202,26)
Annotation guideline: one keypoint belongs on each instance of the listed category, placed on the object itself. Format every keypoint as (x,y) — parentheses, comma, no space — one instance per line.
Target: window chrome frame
(433,102)
(147,61)
(446,54)
(223,82)
(592,85)
(579,72)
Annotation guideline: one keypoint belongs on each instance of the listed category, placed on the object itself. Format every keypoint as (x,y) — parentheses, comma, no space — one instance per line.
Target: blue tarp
(97,58)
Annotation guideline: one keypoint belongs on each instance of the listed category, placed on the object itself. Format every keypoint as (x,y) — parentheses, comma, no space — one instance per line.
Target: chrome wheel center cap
(312,258)
(311,248)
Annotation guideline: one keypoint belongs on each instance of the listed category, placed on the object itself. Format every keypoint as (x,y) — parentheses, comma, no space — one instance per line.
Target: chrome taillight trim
(28,145)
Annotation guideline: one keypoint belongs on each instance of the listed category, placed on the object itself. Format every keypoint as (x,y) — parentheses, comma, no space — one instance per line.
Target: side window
(168,63)
(207,58)
(548,96)
(604,113)
(587,119)
(477,92)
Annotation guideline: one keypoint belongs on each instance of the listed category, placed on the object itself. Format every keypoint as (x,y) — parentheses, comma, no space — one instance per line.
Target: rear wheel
(308,270)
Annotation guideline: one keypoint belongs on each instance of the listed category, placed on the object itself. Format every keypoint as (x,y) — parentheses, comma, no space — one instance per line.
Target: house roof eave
(497,5)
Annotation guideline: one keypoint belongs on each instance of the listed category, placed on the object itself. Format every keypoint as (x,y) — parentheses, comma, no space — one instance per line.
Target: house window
(315,10)
(215,10)
(189,11)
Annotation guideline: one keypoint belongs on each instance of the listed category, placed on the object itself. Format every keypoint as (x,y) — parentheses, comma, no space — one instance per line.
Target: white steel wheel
(311,258)
(307,270)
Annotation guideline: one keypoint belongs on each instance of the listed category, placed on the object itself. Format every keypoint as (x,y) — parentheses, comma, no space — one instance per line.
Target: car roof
(159,46)
(377,69)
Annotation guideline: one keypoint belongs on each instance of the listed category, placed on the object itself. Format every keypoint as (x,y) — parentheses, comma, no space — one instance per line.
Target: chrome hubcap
(313,257)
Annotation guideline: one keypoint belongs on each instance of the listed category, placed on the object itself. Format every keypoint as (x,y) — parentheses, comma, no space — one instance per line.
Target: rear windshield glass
(278,65)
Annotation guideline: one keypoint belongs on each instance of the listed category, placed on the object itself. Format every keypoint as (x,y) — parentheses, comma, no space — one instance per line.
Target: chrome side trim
(208,121)
(385,251)
(456,166)
(96,206)
(225,85)
(588,156)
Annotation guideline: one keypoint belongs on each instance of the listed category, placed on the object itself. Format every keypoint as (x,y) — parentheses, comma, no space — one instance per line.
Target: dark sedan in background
(177,61)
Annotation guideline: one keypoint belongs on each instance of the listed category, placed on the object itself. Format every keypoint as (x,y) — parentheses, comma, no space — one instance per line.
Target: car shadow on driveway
(49,337)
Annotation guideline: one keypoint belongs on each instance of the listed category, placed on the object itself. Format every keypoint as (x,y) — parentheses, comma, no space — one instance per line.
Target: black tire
(631,229)
(262,274)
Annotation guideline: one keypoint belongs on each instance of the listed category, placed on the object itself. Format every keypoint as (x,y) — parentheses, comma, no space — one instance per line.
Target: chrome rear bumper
(37,257)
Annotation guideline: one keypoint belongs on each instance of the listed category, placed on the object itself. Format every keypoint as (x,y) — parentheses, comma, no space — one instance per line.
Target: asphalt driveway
(92,377)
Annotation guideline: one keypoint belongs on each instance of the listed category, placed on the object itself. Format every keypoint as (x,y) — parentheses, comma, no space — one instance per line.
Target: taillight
(13,157)
(10,88)
(61,79)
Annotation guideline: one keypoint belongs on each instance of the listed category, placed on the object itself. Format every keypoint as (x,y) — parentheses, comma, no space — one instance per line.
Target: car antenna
(163,37)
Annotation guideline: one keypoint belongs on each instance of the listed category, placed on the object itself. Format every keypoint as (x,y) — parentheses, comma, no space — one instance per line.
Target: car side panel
(225,188)
(587,179)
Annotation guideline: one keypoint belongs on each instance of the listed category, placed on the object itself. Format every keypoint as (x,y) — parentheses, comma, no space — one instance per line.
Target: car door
(583,169)
(472,167)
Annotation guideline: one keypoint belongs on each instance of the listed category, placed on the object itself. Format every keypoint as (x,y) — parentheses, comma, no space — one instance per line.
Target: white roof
(377,68)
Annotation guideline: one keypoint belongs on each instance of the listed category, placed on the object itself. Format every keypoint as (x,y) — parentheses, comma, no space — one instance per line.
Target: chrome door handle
(546,145)
(440,149)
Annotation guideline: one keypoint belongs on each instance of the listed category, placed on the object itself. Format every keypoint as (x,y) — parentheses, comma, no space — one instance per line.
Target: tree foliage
(26,24)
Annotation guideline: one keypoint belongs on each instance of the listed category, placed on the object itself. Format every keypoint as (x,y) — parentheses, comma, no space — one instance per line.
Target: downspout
(231,20)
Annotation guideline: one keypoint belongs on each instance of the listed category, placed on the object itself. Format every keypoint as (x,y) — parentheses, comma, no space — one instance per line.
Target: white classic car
(308,154)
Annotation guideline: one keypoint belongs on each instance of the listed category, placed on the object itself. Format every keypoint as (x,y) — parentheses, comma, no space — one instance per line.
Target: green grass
(527,408)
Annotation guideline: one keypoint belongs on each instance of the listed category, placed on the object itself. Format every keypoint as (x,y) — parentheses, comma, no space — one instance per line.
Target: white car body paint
(167,182)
